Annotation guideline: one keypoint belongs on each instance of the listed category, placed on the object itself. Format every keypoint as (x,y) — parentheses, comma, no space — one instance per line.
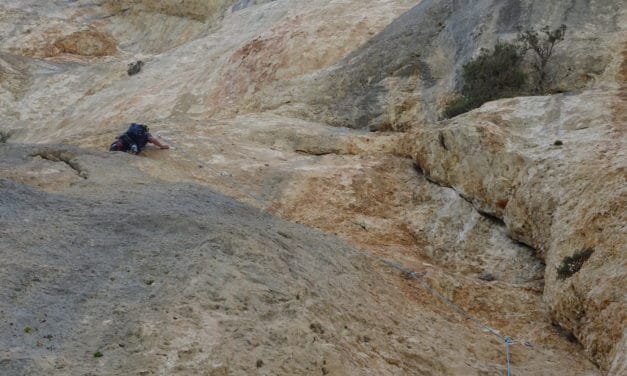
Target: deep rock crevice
(499,221)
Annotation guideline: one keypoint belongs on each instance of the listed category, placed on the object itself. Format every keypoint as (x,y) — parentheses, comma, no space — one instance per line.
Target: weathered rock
(242,4)
(348,63)
(200,10)
(560,199)
(202,74)
(406,73)
(134,67)
(87,43)
(173,278)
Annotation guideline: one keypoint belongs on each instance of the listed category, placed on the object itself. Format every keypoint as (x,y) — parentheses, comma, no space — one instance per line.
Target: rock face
(87,42)
(122,273)
(200,10)
(406,72)
(514,211)
(556,177)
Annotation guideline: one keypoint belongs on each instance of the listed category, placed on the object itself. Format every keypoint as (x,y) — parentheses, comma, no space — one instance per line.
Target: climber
(135,139)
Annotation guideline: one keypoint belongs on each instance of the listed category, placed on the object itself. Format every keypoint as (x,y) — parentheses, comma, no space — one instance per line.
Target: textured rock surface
(213,71)
(171,278)
(554,169)
(87,42)
(408,70)
(245,91)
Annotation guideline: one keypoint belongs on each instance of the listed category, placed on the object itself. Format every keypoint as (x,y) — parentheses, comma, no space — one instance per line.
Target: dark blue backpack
(137,130)
(139,134)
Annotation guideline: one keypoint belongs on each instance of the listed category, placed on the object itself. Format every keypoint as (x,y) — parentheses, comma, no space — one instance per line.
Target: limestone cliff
(553,169)
(323,113)
(405,73)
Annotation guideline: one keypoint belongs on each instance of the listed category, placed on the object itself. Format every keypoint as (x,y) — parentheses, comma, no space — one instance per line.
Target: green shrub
(500,73)
(491,75)
(572,264)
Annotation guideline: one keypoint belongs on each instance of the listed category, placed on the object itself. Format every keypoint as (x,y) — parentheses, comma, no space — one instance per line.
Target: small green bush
(500,73)
(571,264)
(491,75)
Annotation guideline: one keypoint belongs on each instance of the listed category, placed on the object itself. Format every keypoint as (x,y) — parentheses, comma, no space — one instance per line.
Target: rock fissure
(65,156)
(313,152)
(491,217)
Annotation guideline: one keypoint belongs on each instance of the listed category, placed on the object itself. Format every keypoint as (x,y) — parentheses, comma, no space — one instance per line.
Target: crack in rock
(65,156)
